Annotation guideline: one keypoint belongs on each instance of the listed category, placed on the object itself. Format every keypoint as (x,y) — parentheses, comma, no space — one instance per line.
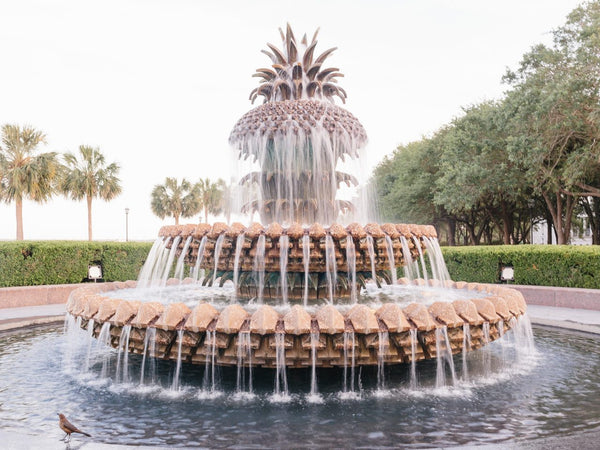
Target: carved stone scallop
(419,315)
(147,313)
(467,310)
(393,316)
(444,312)
(201,317)
(363,319)
(264,320)
(297,321)
(231,319)
(125,312)
(330,320)
(174,315)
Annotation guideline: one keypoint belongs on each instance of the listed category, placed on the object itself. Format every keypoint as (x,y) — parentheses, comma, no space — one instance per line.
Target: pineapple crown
(295,74)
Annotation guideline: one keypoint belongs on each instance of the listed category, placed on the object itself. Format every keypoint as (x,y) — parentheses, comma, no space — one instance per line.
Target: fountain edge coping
(19,305)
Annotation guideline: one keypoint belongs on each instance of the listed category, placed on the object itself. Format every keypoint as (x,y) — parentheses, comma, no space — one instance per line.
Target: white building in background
(540,233)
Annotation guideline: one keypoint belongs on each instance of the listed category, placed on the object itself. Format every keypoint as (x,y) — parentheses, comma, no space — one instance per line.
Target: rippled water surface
(555,392)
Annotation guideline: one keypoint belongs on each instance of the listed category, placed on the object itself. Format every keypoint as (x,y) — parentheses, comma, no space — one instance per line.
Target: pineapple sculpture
(297,137)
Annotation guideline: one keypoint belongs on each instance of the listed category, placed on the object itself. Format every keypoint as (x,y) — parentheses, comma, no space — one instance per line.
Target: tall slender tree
(87,175)
(212,196)
(176,200)
(23,173)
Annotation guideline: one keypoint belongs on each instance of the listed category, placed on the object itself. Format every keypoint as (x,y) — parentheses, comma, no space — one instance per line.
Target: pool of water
(503,397)
(372,296)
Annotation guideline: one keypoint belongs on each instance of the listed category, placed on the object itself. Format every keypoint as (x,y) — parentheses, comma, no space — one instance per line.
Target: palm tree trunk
(205,214)
(89,211)
(19,213)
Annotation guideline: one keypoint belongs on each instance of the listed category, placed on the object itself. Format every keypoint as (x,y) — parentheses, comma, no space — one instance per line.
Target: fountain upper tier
(316,236)
(296,139)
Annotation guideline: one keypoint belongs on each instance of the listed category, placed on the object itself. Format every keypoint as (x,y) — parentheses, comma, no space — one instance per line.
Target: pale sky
(158,85)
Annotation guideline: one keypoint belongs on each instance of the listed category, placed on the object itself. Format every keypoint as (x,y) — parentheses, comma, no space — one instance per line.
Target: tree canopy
(87,175)
(174,199)
(24,173)
(502,165)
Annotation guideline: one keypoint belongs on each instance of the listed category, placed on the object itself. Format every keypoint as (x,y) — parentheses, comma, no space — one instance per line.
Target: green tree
(478,177)
(556,101)
(87,175)
(23,173)
(176,200)
(212,196)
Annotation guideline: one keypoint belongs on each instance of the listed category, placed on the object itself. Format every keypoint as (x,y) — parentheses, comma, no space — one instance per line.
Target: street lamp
(126,224)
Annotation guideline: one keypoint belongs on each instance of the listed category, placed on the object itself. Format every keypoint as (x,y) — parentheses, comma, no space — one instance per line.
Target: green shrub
(29,263)
(542,265)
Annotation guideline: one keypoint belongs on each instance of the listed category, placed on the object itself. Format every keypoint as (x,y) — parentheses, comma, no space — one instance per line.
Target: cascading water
(408,266)
(485,354)
(200,258)
(90,331)
(391,260)
(123,348)
(306,265)
(314,339)
(421,259)
(236,264)
(330,265)
(167,267)
(281,386)
(244,361)
(371,250)
(349,343)
(218,249)
(444,357)
(145,276)
(284,246)
(210,379)
(176,378)
(413,358)
(384,339)
(258,267)
(438,267)
(104,348)
(179,267)
(351,259)
(149,350)
(466,347)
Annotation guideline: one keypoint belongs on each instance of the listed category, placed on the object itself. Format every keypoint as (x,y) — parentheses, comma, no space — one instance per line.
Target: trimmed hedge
(30,263)
(541,265)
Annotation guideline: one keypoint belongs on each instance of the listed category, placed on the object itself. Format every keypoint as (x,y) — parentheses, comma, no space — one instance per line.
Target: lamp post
(126,224)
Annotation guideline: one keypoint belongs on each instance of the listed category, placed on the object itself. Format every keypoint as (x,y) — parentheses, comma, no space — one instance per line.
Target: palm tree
(175,200)
(89,177)
(23,174)
(212,196)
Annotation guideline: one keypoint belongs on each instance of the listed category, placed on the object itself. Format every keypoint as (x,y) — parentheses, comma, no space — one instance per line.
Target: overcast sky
(157,85)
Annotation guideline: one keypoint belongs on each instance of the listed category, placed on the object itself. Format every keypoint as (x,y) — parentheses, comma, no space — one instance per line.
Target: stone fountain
(299,281)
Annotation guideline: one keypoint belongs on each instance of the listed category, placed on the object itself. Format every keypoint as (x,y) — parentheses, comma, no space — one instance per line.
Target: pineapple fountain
(302,290)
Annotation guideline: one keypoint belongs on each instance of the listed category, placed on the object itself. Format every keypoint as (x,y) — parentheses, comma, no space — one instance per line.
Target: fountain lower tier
(398,334)
(354,252)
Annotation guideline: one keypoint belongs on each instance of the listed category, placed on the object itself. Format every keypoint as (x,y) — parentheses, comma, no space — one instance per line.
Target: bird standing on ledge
(68,428)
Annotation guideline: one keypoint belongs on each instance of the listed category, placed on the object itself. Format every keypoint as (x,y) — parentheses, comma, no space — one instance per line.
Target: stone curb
(14,324)
(566,325)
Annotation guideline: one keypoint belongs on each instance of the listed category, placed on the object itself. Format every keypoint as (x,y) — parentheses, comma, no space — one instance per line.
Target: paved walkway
(28,316)
(574,319)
